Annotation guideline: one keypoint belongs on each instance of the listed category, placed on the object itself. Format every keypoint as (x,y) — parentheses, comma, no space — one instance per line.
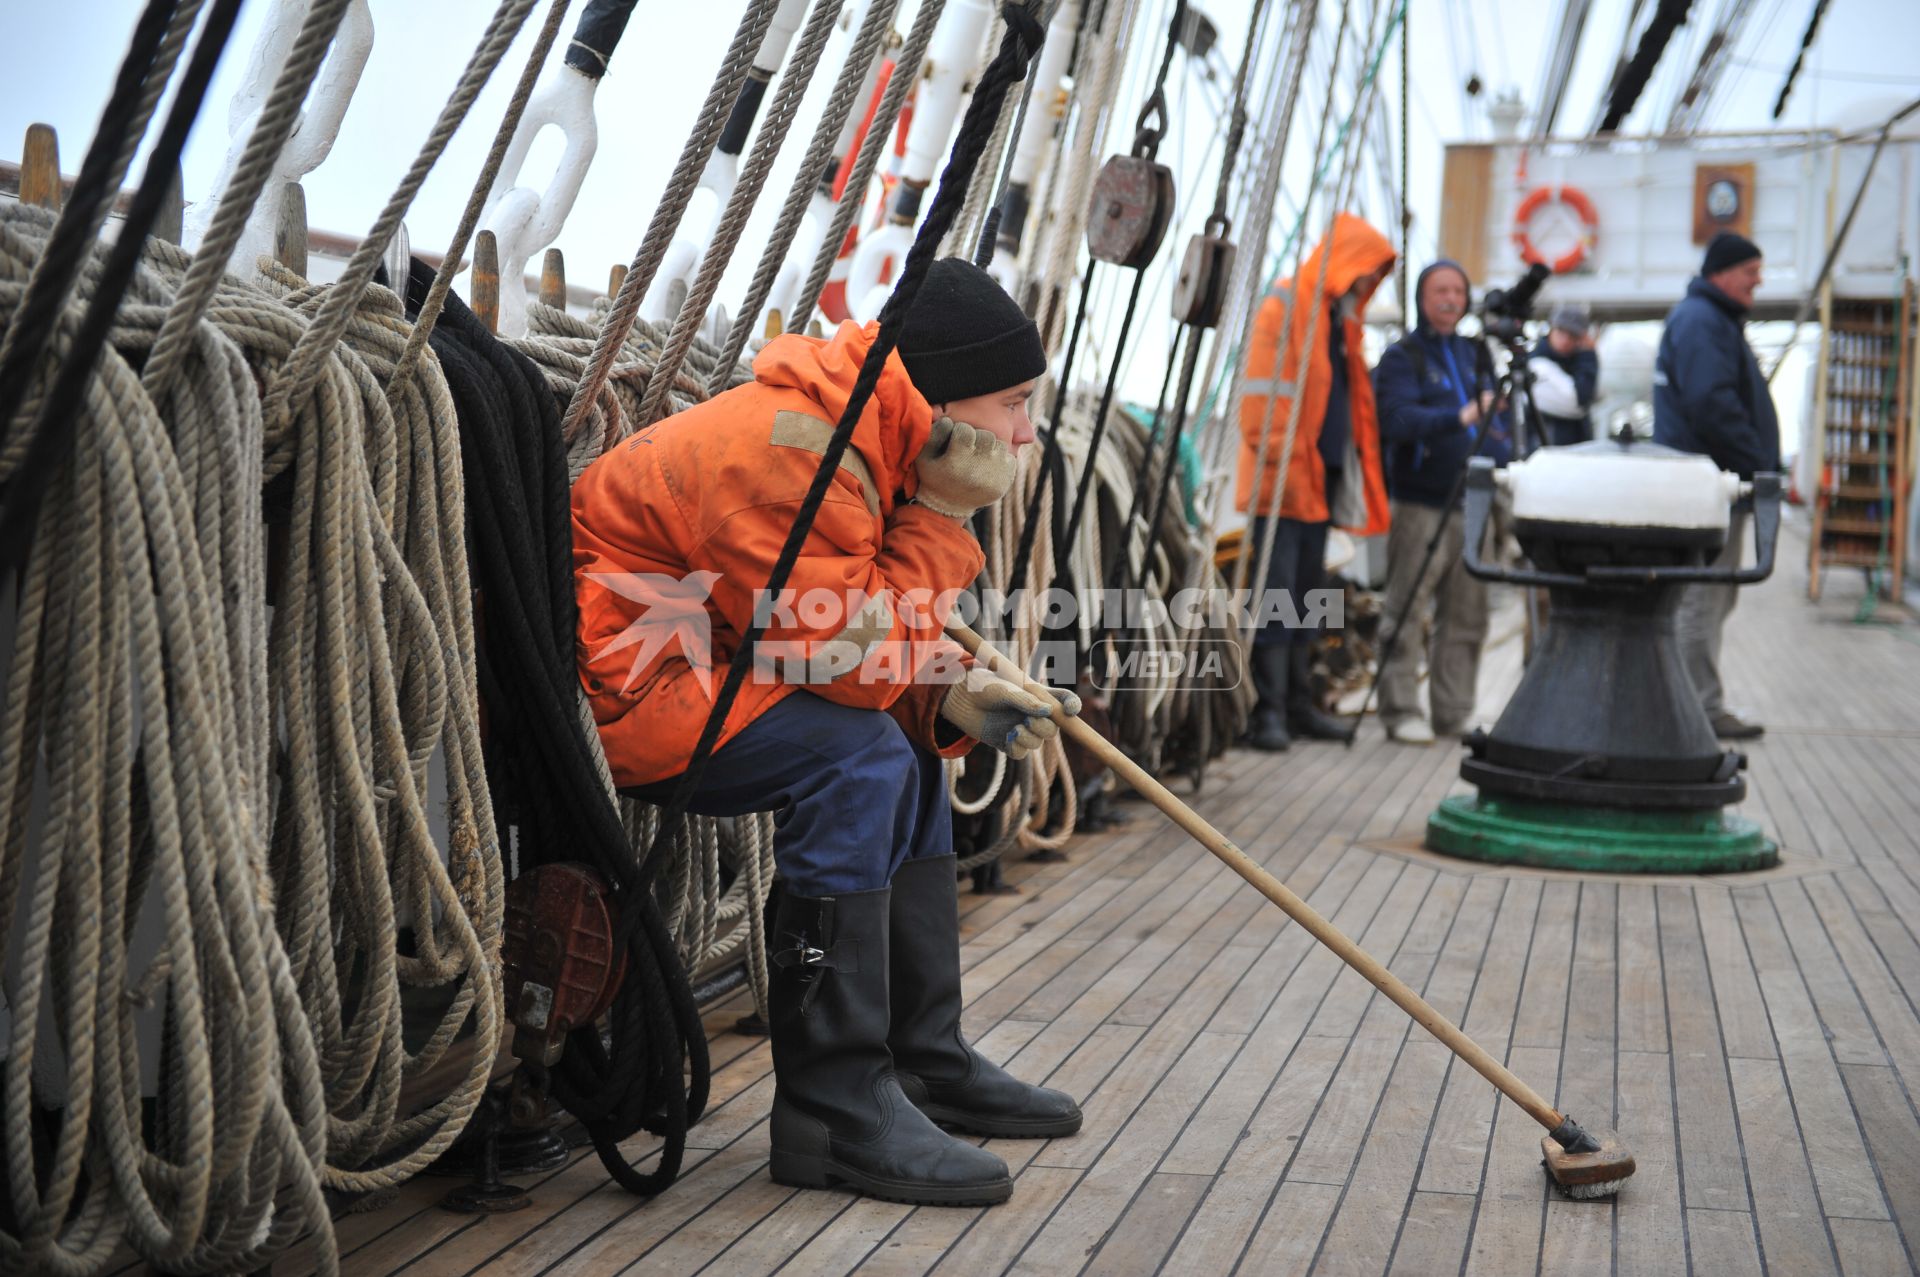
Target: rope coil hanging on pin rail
(1574,198)
(1133,198)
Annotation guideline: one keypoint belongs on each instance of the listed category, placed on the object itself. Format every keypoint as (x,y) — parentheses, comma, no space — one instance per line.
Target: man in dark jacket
(1566,375)
(1710,397)
(1435,397)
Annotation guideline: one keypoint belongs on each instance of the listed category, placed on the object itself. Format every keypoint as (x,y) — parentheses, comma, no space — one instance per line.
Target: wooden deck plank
(1507,1230)
(1792,1232)
(1542,1015)
(608,1227)
(1849,1030)
(1346,1003)
(1892,1015)
(1877,916)
(1831,1133)
(1585,1088)
(1129,1085)
(1300,972)
(1710,1166)
(1743,1015)
(1233,1207)
(1100,1199)
(840,1247)
(918,1242)
(1464,1122)
(1418,954)
(1886,1114)
(1869,1247)
(1722,1242)
(1289,1232)
(1285,945)
(1433,1235)
(769,1244)
(1642,998)
(994,1241)
(1138,1244)
(1579,1238)
(1650,1227)
(1357,1240)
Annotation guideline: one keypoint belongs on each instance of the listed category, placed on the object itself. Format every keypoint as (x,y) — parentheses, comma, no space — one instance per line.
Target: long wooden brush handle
(1273,889)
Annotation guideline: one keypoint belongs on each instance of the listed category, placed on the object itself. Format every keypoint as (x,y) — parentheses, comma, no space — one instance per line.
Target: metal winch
(1604,759)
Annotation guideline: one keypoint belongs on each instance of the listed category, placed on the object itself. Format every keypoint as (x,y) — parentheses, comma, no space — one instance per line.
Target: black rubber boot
(839,1115)
(1304,718)
(1268,729)
(950,1081)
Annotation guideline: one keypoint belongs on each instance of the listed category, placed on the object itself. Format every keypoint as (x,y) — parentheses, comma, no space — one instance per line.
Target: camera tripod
(1514,387)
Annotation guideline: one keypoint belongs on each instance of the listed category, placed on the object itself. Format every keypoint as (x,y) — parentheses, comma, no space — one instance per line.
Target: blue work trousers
(1298,564)
(852,798)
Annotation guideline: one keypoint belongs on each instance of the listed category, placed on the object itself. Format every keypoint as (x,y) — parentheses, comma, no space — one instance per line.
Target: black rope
(1799,57)
(1646,56)
(1009,67)
(52,437)
(1120,558)
(597,34)
(652,1071)
(73,234)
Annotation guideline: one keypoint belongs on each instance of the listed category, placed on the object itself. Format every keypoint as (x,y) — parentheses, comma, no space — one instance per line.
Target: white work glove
(1002,714)
(962,469)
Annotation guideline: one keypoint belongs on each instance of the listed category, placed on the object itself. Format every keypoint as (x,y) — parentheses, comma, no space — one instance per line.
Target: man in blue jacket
(1709,397)
(1435,398)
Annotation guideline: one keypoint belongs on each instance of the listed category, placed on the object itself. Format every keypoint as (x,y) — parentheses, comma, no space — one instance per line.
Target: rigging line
(1146,145)
(20,501)
(1799,57)
(685,179)
(1349,168)
(277,121)
(1473,40)
(1459,74)
(477,198)
(144,71)
(1406,149)
(1281,110)
(1195,338)
(1735,70)
(1620,59)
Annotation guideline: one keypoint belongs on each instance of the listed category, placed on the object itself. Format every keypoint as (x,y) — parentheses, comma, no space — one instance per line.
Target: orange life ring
(1573,198)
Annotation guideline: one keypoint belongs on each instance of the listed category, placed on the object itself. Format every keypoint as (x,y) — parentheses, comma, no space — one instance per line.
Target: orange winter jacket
(1354,251)
(675,533)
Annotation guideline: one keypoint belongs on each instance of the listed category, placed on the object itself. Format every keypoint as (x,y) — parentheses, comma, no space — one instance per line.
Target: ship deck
(1252,1106)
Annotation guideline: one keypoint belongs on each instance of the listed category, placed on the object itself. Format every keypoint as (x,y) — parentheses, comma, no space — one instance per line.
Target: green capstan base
(1598,839)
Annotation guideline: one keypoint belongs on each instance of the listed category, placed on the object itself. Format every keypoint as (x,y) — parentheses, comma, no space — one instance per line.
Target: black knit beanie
(1728,249)
(966,337)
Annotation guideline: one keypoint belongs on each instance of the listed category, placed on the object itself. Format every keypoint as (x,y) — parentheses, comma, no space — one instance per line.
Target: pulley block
(1131,210)
(1200,294)
(558,952)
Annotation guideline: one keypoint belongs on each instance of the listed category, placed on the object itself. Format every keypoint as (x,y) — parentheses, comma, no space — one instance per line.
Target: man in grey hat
(1566,374)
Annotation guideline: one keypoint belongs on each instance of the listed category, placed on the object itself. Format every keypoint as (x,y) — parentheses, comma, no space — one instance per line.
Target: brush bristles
(1605,1188)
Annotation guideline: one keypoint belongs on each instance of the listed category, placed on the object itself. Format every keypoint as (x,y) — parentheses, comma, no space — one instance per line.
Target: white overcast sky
(61,59)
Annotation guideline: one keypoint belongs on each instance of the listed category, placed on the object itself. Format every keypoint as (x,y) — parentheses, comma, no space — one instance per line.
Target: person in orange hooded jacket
(1333,474)
(855,696)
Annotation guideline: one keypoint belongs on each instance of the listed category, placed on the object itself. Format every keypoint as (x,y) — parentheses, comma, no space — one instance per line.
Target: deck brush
(1580,1163)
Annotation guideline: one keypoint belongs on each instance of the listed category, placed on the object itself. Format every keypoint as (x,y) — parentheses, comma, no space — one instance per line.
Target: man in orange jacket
(1333,474)
(840,728)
